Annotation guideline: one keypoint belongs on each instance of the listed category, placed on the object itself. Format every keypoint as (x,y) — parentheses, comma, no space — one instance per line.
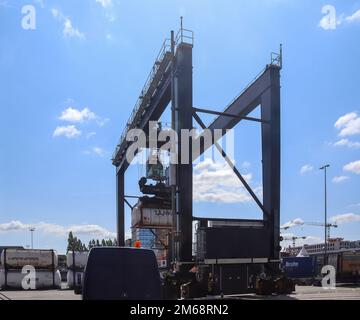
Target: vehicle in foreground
(121,274)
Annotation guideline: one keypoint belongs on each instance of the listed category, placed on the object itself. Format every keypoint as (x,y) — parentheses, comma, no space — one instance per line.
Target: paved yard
(302,293)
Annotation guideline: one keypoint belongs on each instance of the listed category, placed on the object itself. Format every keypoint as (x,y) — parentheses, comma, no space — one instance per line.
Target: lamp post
(32,237)
(326,225)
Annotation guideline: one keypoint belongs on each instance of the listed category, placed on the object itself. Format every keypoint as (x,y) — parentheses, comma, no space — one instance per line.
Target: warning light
(137,244)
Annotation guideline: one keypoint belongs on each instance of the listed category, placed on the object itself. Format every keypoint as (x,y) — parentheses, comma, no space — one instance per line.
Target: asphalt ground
(302,293)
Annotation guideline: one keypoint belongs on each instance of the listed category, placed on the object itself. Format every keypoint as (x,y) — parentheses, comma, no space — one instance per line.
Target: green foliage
(75,244)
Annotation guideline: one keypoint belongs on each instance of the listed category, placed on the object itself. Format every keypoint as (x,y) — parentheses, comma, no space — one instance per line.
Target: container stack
(44,262)
(76,262)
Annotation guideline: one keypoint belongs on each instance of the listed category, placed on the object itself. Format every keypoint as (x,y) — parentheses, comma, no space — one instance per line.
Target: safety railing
(183,36)
(165,49)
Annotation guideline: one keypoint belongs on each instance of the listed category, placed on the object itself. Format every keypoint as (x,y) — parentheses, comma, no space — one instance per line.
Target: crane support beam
(120,207)
(236,171)
(225,114)
(183,103)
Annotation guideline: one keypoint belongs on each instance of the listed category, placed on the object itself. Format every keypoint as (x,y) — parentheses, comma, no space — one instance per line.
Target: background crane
(320,224)
(293,239)
(316,224)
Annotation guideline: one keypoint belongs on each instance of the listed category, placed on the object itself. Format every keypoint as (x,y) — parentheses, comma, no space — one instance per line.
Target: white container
(43,279)
(152,218)
(2,278)
(39,259)
(80,259)
(79,275)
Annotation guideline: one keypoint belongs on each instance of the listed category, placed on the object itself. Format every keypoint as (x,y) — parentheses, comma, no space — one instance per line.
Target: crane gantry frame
(171,82)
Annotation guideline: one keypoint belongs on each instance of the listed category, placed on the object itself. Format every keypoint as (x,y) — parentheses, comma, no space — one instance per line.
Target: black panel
(232,279)
(235,242)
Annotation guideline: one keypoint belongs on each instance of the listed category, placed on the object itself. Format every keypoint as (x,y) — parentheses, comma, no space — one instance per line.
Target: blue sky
(69,86)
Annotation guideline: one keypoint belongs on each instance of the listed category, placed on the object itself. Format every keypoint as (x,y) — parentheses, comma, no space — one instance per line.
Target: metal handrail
(183,36)
(165,48)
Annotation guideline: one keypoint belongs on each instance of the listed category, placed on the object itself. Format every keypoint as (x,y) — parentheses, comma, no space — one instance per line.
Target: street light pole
(32,237)
(326,224)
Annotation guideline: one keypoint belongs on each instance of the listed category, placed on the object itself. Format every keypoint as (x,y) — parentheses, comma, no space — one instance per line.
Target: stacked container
(44,262)
(76,262)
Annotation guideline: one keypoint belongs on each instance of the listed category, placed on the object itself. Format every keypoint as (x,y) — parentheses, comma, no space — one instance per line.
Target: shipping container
(154,218)
(300,267)
(79,275)
(78,258)
(350,263)
(43,279)
(18,258)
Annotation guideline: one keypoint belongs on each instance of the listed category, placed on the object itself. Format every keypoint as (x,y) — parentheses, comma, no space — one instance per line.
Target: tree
(75,244)
(102,243)
(70,241)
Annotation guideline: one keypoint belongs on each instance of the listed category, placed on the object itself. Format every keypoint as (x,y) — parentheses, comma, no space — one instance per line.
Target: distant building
(333,246)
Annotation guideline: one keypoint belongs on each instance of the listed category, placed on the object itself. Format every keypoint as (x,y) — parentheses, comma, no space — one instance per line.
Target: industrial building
(335,245)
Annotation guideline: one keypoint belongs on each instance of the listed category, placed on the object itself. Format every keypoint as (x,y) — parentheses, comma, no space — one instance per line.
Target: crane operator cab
(121,274)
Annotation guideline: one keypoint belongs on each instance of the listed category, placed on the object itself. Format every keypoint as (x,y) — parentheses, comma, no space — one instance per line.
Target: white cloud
(67,131)
(75,115)
(96,151)
(347,143)
(246,165)
(90,135)
(79,116)
(290,224)
(69,31)
(12,226)
(102,121)
(349,124)
(59,230)
(345,218)
(99,151)
(216,182)
(299,242)
(55,12)
(340,179)
(353,167)
(306,168)
(309,241)
(105,3)
(354,17)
